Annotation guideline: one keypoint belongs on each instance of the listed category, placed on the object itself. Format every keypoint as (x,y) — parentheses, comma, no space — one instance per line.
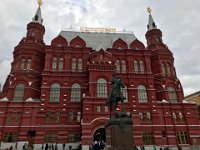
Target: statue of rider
(114,85)
(116,93)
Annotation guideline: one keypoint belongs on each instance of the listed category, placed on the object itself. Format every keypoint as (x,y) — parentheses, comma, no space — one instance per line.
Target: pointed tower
(35,29)
(153,35)
(167,85)
(24,80)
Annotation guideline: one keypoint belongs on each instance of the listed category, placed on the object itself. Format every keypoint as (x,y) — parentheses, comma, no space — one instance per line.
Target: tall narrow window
(70,116)
(101,56)
(16,67)
(9,116)
(182,137)
(57,117)
(125,93)
(17,119)
(19,92)
(172,95)
(9,137)
(117,66)
(163,69)
(141,67)
(180,116)
(98,108)
(148,138)
(22,64)
(141,117)
(80,65)
(28,64)
(48,117)
(74,137)
(168,70)
(135,66)
(78,117)
(60,64)
(54,64)
(148,116)
(55,92)
(123,66)
(76,93)
(50,137)
(142,94)
(73,65)
(174,116)
(101,88)
(105,108)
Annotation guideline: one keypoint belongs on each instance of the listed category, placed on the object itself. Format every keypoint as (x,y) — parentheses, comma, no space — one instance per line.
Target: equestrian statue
(116,93)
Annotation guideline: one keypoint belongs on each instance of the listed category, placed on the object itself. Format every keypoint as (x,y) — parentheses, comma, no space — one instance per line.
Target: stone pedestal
(119,134)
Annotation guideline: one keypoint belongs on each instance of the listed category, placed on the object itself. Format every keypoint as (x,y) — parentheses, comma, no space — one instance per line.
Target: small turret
(35,29)
(153,35)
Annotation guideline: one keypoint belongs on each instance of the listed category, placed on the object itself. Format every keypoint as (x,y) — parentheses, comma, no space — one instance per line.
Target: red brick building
(59,90)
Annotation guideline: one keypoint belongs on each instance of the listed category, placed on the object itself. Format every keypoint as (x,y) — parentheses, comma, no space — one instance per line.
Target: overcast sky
(179,20)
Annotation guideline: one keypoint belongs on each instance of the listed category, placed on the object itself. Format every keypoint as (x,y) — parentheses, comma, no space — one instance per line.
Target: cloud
(5,66)
(179,22)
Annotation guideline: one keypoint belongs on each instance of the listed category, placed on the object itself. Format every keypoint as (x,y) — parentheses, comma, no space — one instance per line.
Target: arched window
(172,94)
(142,94)
(168,70)
(76,93)
(117,66)
(19,92)
(125,93)
(163,69)
(101,88)
(55,93)
(141,67)
(123,66)
(135,66)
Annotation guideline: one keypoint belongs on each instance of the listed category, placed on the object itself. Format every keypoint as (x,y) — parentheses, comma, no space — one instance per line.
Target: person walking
(63,146)
(11,147)
(52,146)
(70,147)
(166,147)
(46,147)
(142,147)
(179,147)
(161,147)
(154,147)
(56,146)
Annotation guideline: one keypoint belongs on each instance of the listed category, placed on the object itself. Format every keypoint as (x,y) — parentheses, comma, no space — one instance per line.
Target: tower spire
(40,3)
(151,25)
(38,17)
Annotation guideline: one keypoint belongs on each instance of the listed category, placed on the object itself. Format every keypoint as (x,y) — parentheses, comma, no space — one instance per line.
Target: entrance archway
(99,135)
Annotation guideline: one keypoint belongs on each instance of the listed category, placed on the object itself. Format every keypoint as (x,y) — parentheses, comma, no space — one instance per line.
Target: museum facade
(60,90)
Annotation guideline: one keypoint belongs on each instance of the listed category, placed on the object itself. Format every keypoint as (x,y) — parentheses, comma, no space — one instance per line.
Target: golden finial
(39,2)
(149,10)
